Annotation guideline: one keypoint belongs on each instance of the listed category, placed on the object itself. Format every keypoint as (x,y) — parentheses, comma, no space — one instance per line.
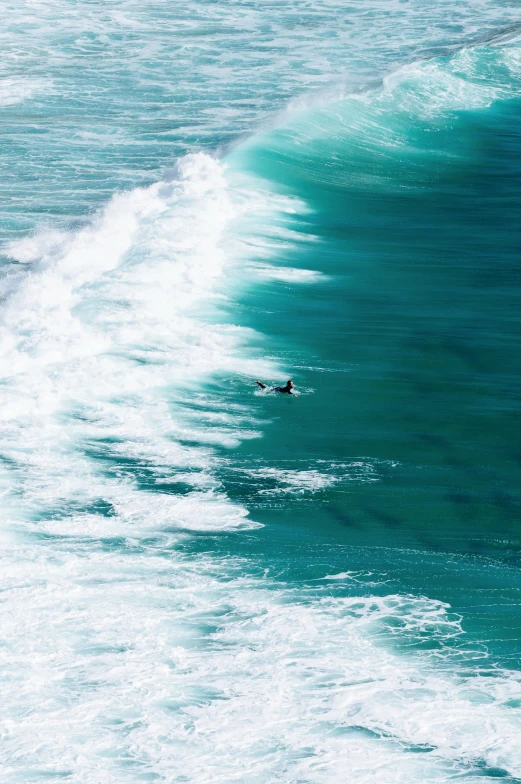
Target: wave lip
(368,137)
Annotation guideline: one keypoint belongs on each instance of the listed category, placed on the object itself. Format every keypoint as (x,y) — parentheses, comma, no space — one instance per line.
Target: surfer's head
(290,384)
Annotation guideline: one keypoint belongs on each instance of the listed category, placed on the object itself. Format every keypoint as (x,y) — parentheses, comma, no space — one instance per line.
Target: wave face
(204,583)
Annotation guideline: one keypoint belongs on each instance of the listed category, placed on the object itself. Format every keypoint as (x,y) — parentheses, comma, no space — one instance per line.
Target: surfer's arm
(261,385)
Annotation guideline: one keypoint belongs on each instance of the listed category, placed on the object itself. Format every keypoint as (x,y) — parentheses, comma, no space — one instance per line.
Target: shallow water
(200,581)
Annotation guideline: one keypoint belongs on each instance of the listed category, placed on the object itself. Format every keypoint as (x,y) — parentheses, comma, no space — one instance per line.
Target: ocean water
(201,582)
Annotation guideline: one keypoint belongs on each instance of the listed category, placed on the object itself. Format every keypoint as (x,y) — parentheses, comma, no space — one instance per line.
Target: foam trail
(288,274)
(100,335)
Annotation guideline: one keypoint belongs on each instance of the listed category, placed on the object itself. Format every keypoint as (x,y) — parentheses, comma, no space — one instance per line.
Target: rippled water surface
(201,581)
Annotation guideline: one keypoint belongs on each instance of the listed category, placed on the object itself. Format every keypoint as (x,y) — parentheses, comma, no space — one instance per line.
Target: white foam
(101,335)
(339,576)
(312,480)
(295,481)
(288,274)
(124,663)
(18,89)
(427,89)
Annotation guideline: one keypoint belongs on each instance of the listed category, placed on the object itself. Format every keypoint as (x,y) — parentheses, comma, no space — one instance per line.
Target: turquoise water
(202,582)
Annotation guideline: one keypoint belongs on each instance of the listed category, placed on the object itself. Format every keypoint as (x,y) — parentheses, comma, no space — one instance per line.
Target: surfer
(288,389)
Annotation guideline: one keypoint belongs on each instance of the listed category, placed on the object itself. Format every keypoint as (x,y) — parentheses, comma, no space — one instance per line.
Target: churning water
(201,582)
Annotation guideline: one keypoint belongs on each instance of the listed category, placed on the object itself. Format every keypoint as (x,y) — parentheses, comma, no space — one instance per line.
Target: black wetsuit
(285,390)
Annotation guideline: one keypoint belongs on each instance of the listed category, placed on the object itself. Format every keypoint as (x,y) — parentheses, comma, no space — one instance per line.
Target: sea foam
(102,336)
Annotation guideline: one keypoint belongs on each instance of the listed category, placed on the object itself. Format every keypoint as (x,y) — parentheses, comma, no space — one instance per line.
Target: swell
(149,659)
(412,192)
(412,197)
(386,120)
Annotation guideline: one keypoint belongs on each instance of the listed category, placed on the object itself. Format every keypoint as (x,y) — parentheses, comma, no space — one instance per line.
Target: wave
(108,333)
(330,140)
(124,654)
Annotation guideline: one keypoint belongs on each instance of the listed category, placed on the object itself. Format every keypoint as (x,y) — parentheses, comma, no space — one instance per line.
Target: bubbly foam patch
(303,482)
(294,481)
(15,90)
(122,660)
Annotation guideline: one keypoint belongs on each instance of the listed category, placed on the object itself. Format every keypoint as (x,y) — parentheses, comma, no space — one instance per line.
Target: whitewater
(201,583)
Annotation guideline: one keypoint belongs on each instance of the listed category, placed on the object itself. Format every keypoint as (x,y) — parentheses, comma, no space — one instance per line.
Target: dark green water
(407,352)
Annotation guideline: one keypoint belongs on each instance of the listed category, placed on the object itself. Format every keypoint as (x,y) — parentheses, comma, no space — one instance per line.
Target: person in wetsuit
(288,389)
